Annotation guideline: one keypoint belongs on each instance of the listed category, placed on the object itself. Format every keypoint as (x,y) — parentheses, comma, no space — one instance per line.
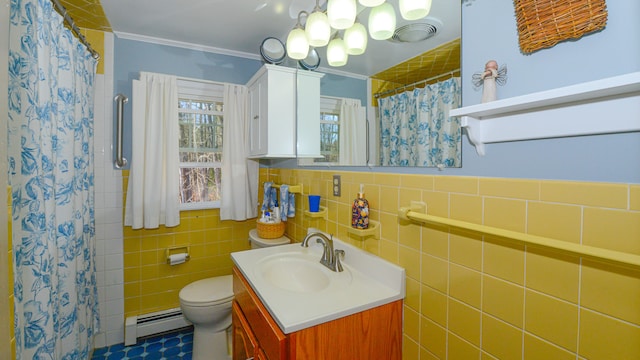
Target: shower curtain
(51,164)
(415,127)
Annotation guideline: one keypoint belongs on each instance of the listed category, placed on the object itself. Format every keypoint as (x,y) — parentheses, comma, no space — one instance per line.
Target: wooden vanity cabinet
(371,334)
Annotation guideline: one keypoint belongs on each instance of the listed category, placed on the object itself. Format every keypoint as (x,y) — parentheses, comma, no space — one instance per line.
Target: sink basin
(294,274)
(299,292)
(300,271)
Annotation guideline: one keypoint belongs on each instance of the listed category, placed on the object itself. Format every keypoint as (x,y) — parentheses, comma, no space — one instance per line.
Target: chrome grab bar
(120,100)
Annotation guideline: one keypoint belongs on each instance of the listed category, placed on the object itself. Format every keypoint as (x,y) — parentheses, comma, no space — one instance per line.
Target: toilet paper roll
(176,259)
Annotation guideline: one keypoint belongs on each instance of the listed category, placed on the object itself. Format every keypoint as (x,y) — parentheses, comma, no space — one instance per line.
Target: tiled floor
(174,345)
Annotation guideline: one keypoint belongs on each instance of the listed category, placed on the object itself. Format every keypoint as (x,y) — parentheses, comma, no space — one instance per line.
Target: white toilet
(207,304)
(258,242)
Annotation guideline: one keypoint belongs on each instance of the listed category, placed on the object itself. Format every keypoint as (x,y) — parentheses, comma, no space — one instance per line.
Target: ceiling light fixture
(414,9)
(382,22)
(337,53)
(341,13)
(297,43)
(355,39)
(340,16)
(317,27)
(371,3)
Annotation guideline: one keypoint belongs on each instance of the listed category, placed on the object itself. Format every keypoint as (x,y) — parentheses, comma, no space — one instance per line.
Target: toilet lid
(208,291)
(253,236)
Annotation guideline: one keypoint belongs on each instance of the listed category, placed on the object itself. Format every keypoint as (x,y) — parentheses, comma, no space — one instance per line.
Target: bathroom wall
(489,32)
(150,284)
(470,296)
(108,199)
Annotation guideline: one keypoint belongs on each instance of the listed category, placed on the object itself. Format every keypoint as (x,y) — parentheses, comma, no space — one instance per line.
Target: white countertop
(366,282)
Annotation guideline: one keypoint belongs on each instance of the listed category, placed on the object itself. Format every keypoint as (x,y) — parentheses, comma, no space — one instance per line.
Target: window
(329,130)
(329,137)
(200,115)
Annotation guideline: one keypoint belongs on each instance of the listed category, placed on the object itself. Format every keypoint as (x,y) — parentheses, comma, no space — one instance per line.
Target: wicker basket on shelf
(544,23)
(270,230)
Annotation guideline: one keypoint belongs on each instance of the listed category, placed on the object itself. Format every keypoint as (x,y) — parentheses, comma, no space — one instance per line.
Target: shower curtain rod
(450,73)
(62,11)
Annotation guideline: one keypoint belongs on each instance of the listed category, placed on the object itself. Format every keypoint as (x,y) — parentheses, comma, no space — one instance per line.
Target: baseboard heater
(152,323)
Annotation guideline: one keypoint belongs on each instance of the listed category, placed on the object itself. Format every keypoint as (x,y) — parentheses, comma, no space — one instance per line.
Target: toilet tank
(258,242)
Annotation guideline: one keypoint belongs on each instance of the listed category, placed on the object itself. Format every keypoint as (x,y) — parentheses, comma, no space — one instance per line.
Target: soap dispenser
(360,211)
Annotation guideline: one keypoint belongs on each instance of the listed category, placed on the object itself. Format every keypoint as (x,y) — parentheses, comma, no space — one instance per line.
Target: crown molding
(186,45)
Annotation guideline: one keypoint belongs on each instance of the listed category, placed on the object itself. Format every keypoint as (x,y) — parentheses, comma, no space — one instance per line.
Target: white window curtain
(239,194)
(153,191)
(353,133)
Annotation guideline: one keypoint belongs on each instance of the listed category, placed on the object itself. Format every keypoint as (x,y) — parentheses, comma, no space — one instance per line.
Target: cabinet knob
(255,118)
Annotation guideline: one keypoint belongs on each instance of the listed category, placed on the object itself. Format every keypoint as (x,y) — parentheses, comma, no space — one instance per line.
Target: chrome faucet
(330,257)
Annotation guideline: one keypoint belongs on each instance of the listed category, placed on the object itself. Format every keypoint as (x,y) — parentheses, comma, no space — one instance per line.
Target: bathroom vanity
(288,306)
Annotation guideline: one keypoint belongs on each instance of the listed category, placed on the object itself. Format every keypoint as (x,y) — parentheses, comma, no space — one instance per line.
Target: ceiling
(238,27)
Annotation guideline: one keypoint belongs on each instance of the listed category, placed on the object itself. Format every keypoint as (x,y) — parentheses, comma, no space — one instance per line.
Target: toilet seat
(208,292)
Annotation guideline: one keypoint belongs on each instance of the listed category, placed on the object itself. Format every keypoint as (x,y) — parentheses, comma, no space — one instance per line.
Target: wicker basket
(270,230)
(544,23)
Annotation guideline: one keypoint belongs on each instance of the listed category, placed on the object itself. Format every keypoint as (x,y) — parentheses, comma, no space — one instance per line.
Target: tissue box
(270,230)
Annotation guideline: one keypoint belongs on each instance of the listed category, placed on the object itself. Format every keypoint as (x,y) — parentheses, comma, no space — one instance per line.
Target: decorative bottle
(360,211)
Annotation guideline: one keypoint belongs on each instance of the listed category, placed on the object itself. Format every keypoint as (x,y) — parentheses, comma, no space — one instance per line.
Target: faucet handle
(338,256)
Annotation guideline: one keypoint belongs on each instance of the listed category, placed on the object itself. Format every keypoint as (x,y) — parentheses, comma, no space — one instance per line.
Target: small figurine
(488,79)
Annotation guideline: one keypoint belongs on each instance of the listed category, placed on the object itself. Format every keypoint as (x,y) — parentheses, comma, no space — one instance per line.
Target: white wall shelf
(605,106)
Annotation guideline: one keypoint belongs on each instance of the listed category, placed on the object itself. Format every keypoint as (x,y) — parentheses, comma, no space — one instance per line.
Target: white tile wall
(108,200)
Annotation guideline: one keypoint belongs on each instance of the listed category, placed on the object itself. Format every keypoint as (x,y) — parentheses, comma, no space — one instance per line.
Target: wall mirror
(352,133)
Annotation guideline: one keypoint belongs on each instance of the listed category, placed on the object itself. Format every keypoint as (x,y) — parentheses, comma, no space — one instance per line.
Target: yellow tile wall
(474,296)
(150,284)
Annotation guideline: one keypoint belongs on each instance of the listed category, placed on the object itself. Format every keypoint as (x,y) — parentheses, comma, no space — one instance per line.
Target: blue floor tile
(175,345)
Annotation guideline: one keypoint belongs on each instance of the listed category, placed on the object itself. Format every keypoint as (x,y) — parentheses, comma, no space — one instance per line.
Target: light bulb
(317,29)
(297,44)
(337,53)
(414,9)
(341,13)
(382,22)
(370,3)
(355,38)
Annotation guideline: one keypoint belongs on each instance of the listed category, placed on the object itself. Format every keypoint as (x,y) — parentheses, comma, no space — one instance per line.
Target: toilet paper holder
(176,251)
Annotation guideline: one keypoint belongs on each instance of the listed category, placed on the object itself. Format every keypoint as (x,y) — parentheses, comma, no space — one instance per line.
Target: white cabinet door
(272,110)
(258,117)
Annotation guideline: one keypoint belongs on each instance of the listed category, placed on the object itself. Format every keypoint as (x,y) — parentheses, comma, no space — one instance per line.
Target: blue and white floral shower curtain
(415,127)
(51,78)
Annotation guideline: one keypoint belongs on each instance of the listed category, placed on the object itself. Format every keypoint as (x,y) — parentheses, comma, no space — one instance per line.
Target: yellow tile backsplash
(559,221)
(501,340)
(503,299)
(552,319)
(458,281)
(603,337)
(464,321)
(150,284)
(465,285)
(612,229)
(468,295)
(553,274)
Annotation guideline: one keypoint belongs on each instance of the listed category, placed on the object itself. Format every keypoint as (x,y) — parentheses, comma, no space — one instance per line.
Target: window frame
(202,91)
